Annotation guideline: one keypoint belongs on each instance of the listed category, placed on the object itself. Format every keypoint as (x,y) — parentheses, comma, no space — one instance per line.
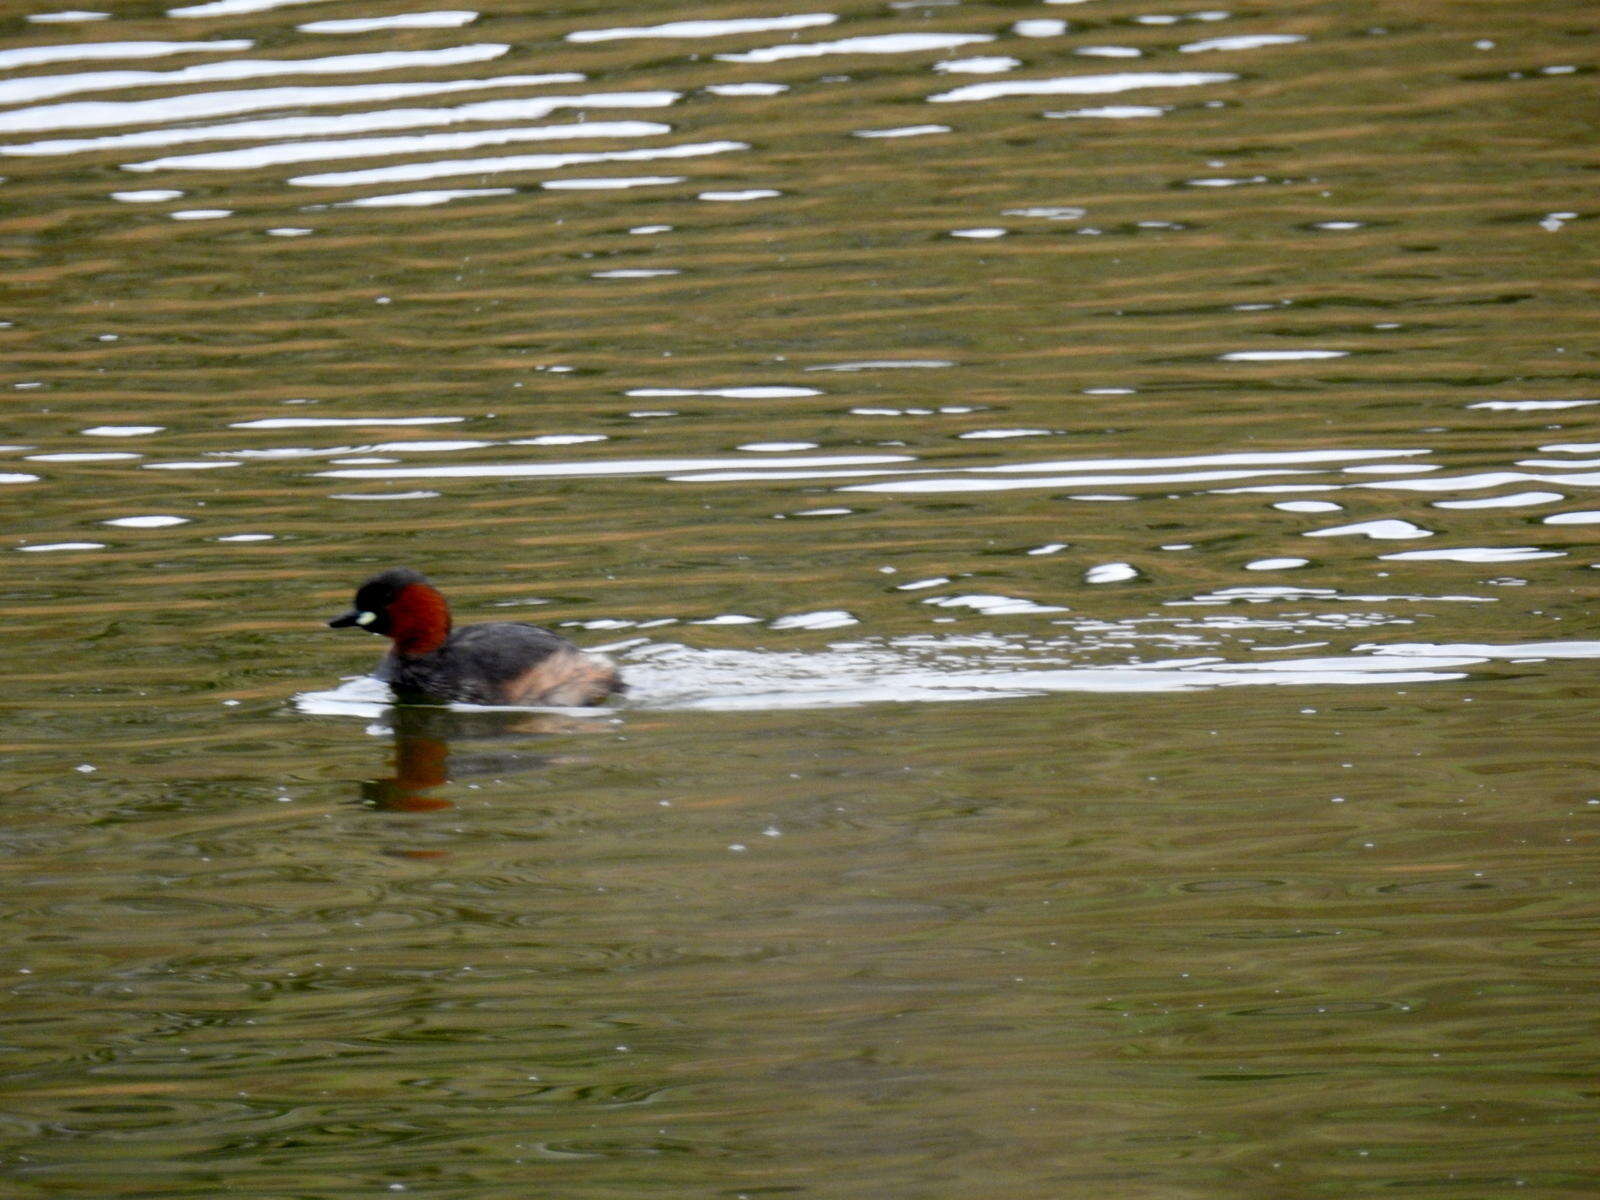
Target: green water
(1102,569)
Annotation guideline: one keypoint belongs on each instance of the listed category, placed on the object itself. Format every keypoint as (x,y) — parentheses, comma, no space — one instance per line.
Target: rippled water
(1091,499)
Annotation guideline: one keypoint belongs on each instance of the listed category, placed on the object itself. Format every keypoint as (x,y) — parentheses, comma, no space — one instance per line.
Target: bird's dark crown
(377,593)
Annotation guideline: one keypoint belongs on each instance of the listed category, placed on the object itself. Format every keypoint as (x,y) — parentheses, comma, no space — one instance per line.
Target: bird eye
(366,618)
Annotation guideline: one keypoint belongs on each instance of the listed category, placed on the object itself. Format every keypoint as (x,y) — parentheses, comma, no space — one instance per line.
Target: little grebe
(504,662)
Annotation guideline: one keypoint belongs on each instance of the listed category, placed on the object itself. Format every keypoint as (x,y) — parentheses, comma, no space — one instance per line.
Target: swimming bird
(501,662)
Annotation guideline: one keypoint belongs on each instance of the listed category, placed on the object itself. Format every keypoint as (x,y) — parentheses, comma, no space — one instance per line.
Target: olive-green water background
(1094,502)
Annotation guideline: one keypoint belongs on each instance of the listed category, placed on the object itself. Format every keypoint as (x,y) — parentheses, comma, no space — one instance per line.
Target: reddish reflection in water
(421,763)
(424,758)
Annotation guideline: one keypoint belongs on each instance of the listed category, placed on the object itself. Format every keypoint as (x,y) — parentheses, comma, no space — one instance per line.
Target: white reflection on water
(34,56)
(745,89)
(107,456)
(1483,479)
(993,434)
(1081,85)
(614,183)
(732,393)
(833,618)
(1308,506)
(990,605)
(901,131)
(1272,595)
(1390,528)
(1225,182)
(1515,500)
(887,682)
(419,199)
(152,521)
(1116,572)
(1276,355)
(383,496)
(1174,18)
(738,196)
(726,680)
(882,43)
(1475,554)
(429,447)
(1249,41)
(430,143)
(525,109)
(83,114)
(703,29)
(925,669)
(638,466)
(767,476)
(443,19)
(17,91)
(1256,458)
(523,162)
(334,422)
(886,364)
(1004,485)
(1485,650)
(993,64)
(290,452)
(1531,405)
(1057,212)
(233,8)
(1112,112)
(1103,473)
(864,411)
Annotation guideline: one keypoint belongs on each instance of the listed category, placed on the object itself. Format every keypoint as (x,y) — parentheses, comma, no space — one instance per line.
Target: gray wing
(503,650)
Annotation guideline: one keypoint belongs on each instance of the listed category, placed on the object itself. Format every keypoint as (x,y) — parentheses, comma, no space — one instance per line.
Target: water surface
(1092,502)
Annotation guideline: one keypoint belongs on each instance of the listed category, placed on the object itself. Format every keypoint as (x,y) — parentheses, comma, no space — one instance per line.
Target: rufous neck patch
(419,619)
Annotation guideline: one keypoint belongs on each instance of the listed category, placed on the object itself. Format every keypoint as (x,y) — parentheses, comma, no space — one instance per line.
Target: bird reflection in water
(423,757)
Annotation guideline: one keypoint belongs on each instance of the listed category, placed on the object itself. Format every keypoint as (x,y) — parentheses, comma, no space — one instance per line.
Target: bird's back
(506,662)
